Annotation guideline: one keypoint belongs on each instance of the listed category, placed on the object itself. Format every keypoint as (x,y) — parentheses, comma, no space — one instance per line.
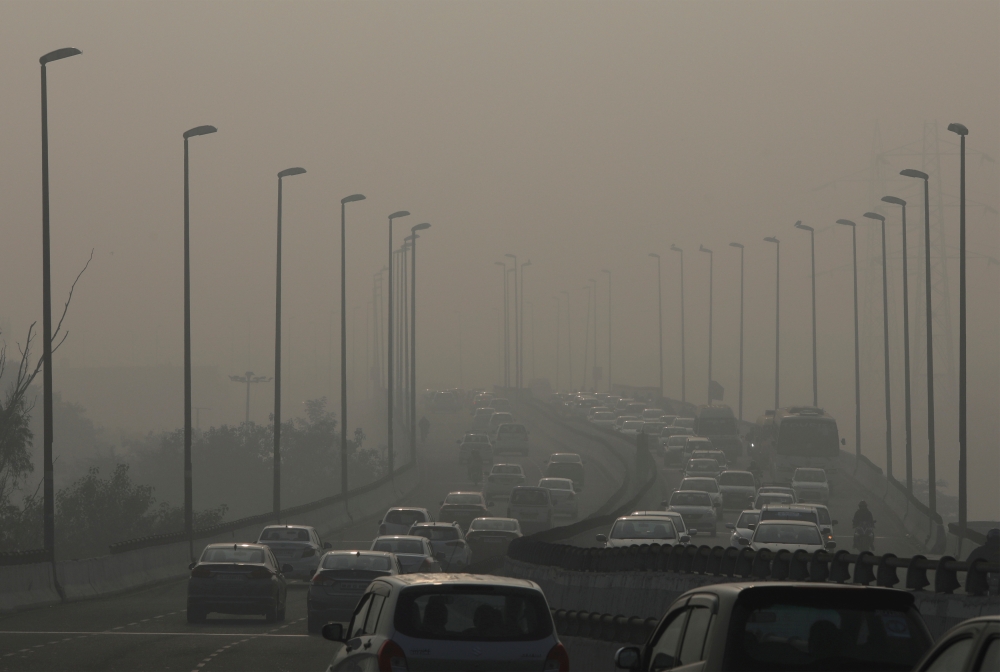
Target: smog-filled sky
(581,136)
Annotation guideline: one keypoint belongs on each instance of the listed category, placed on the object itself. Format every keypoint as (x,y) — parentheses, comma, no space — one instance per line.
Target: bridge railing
(604,627)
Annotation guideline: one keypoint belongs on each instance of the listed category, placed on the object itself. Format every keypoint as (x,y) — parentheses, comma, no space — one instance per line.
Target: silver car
(563,496)
(415,554)
(674,517)
(451,622)
(531,507)
(298,546)
(696,507)
(399,519)
(638,530)
(738,489)
(341,580)
(448,544)
(705,484)
(743,528)
(502,479)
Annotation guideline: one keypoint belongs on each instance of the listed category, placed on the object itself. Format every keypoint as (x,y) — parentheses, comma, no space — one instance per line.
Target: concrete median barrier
(23,586)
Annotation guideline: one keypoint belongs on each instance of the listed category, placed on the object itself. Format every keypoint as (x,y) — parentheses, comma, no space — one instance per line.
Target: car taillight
(260,573)
(557,660)
(320,580)
(200,572)
(309,552)
(391,657)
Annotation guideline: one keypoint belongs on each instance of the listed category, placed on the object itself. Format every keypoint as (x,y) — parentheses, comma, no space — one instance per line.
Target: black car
(237,579)
(340,581)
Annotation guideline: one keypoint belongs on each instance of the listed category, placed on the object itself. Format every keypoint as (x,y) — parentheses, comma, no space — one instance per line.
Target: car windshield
(229,554)
(512,429)
(529,498)
(690,499)
(357,561)
(506,469)
(494,525)
(810,476)
(808,515)
(477,438)
(817,632)
(703,465)
(284,534)
(435,533)
(703,484)
(478,613)
(652,428)
(786,534)
(643,529)
(747,519)
(404,517)
(406,546)
(604,415)
(772,498)
(736,478)
(556,483)
(463,499)
(676,441)
(633,424)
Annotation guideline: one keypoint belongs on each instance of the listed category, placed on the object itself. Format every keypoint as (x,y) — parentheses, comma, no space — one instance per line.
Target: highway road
(147,629)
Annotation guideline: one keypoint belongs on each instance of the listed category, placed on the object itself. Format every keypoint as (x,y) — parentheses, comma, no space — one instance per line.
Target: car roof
(556,478)
(443,579)
(736,471)
(238,545)
(494,518)
(788,522)
(788,507)
(691,492)
(290,527)
(407,508)
(400,536)
(730,591)
(433,524)
(381,554)
(464,492)
(529,487)
(671,514)
(697,479)
(553,457)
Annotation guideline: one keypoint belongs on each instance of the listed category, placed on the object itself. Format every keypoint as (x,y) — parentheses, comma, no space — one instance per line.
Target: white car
(694,443)
(449,622)
(826,523)
(778,489)
(787,535)
(502,479)
(399,519)
(603,419)
(511,437)
(743,527)
(696,507)
(810,485)
(673,445)
(531,507)
(765,498)
(635,531)
(497,419)
(674,517)
(295,545)
(563,496)
(701,467)
(448,544)
(652,414)
(622,419)
(631,427)
(739,488)
(705,484)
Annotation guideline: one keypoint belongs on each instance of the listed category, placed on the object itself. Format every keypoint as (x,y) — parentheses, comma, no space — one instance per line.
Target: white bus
(799,436)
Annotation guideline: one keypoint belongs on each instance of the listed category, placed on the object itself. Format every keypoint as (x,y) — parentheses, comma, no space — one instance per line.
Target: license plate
(230,577)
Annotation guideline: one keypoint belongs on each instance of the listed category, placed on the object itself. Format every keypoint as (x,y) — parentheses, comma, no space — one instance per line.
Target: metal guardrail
(604,627)
(763,565)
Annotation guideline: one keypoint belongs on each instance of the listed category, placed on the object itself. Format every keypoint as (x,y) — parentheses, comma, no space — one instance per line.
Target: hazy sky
(581,136)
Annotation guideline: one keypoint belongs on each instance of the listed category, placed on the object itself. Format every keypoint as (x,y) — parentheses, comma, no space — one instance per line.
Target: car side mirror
(327,545)
(743,541)
(730,526)
(192,565)
(287,569)
(334,632)
(836,522)
(830,545)
(627,658)
(602,538)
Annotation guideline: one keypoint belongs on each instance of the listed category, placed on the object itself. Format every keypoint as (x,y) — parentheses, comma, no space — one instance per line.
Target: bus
(798,436)
(718,424)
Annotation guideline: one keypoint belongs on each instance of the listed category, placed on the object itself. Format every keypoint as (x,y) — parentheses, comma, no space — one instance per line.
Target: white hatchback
(810,485)
(563,496)
(787,535)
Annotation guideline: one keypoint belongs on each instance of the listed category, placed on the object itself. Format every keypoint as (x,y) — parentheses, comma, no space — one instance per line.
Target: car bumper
(231,604)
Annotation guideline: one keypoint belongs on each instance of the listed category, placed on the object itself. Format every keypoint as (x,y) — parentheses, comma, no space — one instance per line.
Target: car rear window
(556,483)
(507,469)
(436,533)
(844,635)
(703,484)
(284,534)
(378,563)
(810,476)
(473,613)
(249,555)
(786,534)
(405,517)
(703,465)
(529,498)
(643,529)
(808,515)
(690,499)
(411,546)
(736,478)
(463,499)
(494,524)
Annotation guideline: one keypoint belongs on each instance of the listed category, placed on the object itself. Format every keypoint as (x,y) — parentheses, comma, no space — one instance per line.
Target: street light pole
(343,337)
(288,172)
(931,457)
(857,341)
(517,340)
(569,339)
(609,328)
(389,346)
(558,310)
(906,351)
(48,494)
(593,282)
(812,255)
(683,357)
(777,309)
(188,486)
(520,333)
(506,348)
(249,378)
(963,436)
(740,246)
(711,274)
(413,338)
(885,357)
(659,303)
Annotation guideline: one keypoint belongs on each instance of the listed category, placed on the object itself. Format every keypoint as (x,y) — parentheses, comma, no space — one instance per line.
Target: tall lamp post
(711,275)
(389,345)
(49,504)
(517,340)
(857,341)
(885,356)
(558,332)
(659,303)
(506,348)
(288,172)
(569,340)
(413,338)
(520,333)
(586,337)
(188,485)
(343,337)
(777,312)
(609,327)
(249,379)
(963,436)
(931,457)
(683,357)
(740,247)
(812,256)
(906,350)
(593,283)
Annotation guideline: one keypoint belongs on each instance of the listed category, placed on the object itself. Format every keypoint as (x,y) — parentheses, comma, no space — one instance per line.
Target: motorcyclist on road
(425,428)
(990,551)
(863,516)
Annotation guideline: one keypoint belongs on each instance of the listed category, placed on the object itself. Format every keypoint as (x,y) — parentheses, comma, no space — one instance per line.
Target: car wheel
(271,613)
(195,615)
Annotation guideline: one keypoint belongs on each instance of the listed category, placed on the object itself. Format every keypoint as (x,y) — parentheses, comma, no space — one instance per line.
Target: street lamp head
(500,263)
(527,263)
(846,222)
(420,227)
(804,227)
(675,248)
(412,236)
(910,172)
(351,199)
(893,199)
(58,55)
(654,254)
(702,248)
(200,130)
(958,128)
(512,256)
(401,213)
(772,239)
(739,245)
(604,270)
(875,215)
(288,172)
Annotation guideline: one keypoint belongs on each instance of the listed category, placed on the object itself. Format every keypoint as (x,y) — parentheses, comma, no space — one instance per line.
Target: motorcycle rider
(864,525)
(863,516)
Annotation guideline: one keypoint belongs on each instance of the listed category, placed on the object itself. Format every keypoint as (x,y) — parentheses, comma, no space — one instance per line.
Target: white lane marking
(82,634)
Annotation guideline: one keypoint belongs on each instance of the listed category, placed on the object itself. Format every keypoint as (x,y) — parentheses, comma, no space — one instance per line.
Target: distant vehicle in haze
(446,401)
(631,427)
(564,499)
(765,498)
(502,479)
(479,440)
(237,579)
(673,440)
(701,467)
(799,436)
(810,485)
(638,530)
(676,518)
(684,422)
(635,408)
(481,417)
(622,419)
(706,484)
(694,443)
(463,507)
(603,419)
(295,546)
(490,537)
(415,554)
(339,582)
(652,414)
(448,544)
(497,419)
(711,454)
(399,519)
(511,437)
(739,488)
(697,508)
(566,465)
(531,507)
(778,488)
(501,405)
(719,424)
(743,527)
